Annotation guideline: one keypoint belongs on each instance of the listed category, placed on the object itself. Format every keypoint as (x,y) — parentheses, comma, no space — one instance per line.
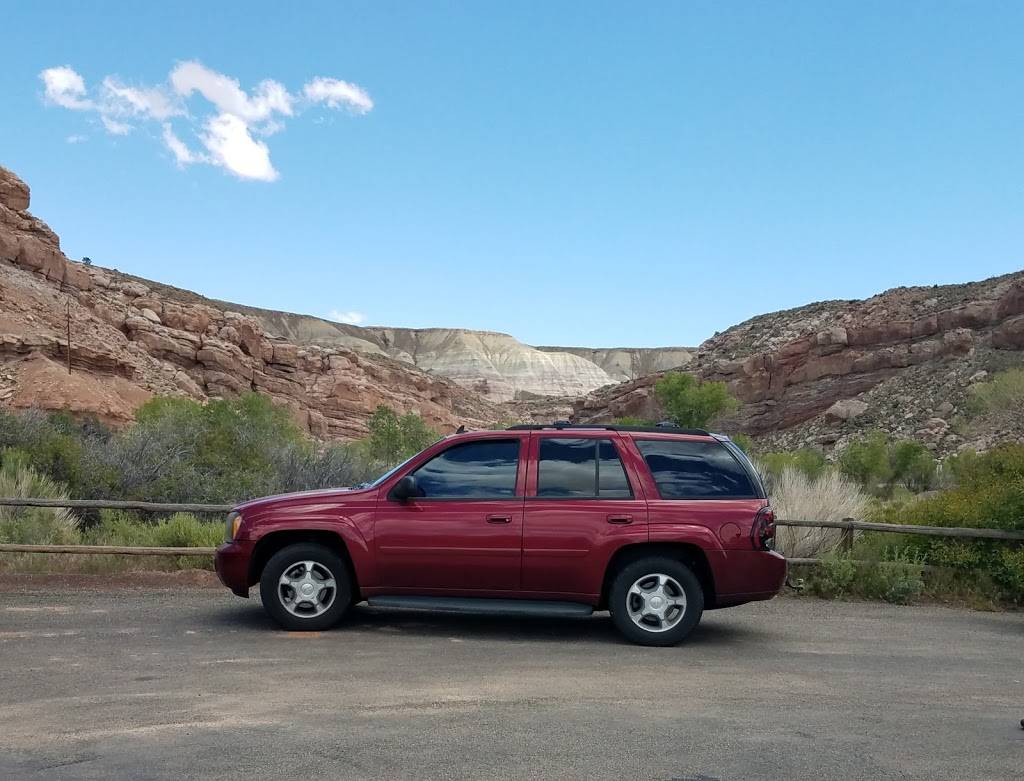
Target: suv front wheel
(305,587)
(656,601)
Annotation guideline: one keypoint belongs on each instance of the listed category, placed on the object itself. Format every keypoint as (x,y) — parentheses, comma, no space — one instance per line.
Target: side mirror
(405,489)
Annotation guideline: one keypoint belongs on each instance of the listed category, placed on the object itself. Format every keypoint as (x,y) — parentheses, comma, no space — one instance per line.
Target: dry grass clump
(828,497)
(33,525)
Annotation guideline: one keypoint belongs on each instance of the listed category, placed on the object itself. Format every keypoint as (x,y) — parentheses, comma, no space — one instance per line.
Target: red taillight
(762,534)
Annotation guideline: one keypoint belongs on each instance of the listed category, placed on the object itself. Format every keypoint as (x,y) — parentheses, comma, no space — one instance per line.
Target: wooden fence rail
(898,528)
(108,504)
(105,504)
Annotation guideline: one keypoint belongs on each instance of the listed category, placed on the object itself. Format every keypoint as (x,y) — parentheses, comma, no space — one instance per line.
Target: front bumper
(232,564)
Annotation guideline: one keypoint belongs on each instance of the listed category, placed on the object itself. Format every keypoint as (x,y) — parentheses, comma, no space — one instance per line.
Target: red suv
(653,524)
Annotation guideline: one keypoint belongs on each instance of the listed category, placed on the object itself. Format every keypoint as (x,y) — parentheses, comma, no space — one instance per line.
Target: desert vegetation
(177,450)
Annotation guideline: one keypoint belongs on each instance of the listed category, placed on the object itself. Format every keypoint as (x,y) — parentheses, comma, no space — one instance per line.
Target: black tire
(682,621)
(290,559)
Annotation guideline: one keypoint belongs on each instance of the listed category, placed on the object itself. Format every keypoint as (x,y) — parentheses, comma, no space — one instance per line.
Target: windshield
(386,475)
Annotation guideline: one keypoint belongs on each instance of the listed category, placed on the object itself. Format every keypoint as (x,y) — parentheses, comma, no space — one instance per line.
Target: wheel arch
(689,553)
(271,543)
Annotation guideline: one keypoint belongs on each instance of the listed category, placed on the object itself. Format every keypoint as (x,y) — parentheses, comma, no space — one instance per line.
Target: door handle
(499,519)
(621,520)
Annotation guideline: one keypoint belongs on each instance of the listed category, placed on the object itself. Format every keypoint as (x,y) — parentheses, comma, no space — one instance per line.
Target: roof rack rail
(563,425)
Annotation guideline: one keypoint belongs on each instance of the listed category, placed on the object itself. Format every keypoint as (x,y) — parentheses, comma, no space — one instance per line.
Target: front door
(464,532)
(581,506)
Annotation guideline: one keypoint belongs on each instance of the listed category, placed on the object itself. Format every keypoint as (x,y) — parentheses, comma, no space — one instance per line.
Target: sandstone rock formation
(888,362)
(129,342)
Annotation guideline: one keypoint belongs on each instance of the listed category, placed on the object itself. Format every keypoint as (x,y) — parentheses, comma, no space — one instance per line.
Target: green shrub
(633,420)
(394,438)
(33,525)
(181,530)
(691,403)
(990,493)
(881,465)
(808,462)
(898,580)
(834,577)
(866,460)
(912,465)
(1005,391)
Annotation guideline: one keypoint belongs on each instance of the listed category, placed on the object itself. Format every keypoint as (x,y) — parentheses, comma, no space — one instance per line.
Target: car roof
(566,426)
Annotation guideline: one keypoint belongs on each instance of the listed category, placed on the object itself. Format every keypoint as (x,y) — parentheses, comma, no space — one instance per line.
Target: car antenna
(461,429)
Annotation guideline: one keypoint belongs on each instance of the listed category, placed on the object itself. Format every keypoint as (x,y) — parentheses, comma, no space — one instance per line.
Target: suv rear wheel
(656,601)
(305,587)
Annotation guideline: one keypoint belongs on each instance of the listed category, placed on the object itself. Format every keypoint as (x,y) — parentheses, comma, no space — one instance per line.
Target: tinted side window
(584,468)
(695,470)
(472,470)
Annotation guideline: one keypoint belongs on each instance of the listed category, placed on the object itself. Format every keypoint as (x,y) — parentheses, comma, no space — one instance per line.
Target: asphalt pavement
(132,681)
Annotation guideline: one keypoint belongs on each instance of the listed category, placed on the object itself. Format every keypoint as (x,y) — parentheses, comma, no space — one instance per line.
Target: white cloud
(65,87)
(351,318)
(182,154)
(228,130)
(337,93)
(227,95)
(230,145)
(152,102)
(76,139)
(115,127)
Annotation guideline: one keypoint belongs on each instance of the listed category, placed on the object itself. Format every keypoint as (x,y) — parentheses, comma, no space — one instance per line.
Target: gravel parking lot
(140,682)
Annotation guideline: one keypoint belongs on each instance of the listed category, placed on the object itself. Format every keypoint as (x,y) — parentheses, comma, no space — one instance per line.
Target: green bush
(834,577)
(810,463)
(691,403)
(898,580)
(394,438)
(866,460)
(181,530)
(1005,391)
(633,420)
(989,494)
(880,465)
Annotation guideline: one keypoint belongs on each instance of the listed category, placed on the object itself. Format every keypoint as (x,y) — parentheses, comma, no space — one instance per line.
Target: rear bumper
(232,563)
(747,576)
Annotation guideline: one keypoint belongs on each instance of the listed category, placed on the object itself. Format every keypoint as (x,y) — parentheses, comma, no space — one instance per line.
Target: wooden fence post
(846,537)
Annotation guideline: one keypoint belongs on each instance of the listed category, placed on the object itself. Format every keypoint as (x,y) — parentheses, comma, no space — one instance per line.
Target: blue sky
(571,173)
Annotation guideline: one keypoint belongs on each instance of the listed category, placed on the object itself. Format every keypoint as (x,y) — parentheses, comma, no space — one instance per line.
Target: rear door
(583,502)
(464,534)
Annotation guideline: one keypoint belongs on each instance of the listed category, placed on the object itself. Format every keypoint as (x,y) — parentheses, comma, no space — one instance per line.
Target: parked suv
(655,525)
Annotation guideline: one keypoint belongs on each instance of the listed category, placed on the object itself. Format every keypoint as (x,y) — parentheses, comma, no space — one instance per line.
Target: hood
(322,494)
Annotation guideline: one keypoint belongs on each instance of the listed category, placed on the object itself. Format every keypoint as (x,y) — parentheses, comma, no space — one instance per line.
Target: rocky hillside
(129,341)
(902,361)
(496,365)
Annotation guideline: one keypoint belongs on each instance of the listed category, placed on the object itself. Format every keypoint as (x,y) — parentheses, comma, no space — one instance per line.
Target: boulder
(846,409)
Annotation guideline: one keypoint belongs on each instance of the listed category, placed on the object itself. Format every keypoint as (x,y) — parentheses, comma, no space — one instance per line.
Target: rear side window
(580,468)
(690,469)
(472,470)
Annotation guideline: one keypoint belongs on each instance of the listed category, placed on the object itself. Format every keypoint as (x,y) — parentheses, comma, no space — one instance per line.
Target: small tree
(912,465)
(385,441)
(393,438)
(866,460)
(690,403)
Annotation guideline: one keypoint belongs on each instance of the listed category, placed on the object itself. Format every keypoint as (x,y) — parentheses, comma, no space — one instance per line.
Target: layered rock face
(630,363)
(493,364)
(129,342)
(901,361)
